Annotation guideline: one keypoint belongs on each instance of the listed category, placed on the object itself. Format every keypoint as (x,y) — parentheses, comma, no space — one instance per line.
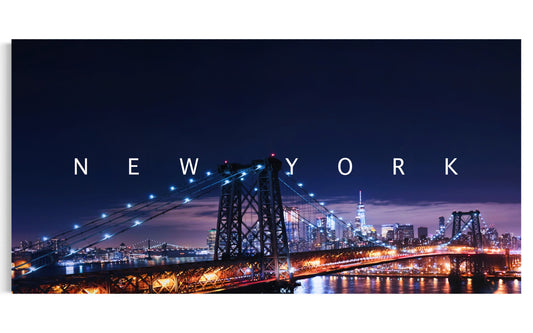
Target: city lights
(324,231)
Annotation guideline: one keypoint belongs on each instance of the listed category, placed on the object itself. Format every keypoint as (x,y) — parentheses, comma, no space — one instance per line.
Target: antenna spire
(360,201)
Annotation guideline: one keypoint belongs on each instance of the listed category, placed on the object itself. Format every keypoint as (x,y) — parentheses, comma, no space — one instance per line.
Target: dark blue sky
(241,100)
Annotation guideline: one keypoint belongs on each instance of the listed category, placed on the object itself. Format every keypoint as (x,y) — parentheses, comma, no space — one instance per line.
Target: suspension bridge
(259,242)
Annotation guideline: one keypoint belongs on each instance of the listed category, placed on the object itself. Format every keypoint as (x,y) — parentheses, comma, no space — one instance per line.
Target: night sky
(318,101)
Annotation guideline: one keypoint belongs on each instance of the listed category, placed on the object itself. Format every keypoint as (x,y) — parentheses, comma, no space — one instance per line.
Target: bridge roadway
(216,276)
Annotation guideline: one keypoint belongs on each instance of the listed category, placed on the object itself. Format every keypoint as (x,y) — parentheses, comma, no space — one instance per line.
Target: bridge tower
(264,238)
(466,221)
(470,220)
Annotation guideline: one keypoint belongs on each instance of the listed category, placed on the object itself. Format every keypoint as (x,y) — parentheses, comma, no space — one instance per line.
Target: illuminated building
(348,233)
(360,214)
(310,233)
(25,244)
(360,218)
(291,216)
(211,238)
(403,232)
(508,241)
(330,222)
(385,228)
(321,232)
(442,226)
(491,237)
(330,227)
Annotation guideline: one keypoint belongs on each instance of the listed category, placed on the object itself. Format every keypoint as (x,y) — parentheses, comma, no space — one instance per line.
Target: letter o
(340,164)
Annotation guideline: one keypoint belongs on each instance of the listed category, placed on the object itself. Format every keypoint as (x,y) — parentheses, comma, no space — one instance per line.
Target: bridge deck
(212,276)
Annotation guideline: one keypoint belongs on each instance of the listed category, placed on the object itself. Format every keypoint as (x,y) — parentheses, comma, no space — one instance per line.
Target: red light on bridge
(272,155)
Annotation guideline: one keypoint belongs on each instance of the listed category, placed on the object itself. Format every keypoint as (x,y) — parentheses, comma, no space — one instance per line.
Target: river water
(337,284)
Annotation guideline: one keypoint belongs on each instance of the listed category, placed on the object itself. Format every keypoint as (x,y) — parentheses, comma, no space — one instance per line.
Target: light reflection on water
(396,285)
(95,267)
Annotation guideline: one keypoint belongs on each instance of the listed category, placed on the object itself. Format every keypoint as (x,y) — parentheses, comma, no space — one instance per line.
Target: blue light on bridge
(244,173)
(256,189)
(151,196)
(104,215)
(186,200)
(208,173)
(76,226)
(45,238)
(226,182)
(300,184)
(322,203)
(129,205)
(107,236)
(288,173)
(259,166)
(311,195)
(172,188)
(136,223)
(191,180)
(242,179)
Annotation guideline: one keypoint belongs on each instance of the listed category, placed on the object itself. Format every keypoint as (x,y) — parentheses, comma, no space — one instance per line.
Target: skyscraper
(292,223)
(360,218)
(442,226)
(360,212)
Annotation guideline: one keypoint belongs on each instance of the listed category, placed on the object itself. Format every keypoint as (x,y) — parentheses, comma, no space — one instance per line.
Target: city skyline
(202,214)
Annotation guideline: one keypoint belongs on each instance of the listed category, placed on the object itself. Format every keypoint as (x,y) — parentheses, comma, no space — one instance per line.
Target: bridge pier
(474,267)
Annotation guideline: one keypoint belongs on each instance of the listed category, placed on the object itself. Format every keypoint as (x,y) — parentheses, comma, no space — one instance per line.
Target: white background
(272,19)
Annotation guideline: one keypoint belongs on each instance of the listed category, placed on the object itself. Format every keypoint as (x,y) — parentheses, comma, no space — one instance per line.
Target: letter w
(185,168)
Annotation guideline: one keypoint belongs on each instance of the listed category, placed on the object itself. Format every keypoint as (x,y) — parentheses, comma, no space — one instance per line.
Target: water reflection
(399,285)
(72,268)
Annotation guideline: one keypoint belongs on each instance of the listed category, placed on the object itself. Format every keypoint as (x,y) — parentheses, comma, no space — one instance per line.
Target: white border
(251,19)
